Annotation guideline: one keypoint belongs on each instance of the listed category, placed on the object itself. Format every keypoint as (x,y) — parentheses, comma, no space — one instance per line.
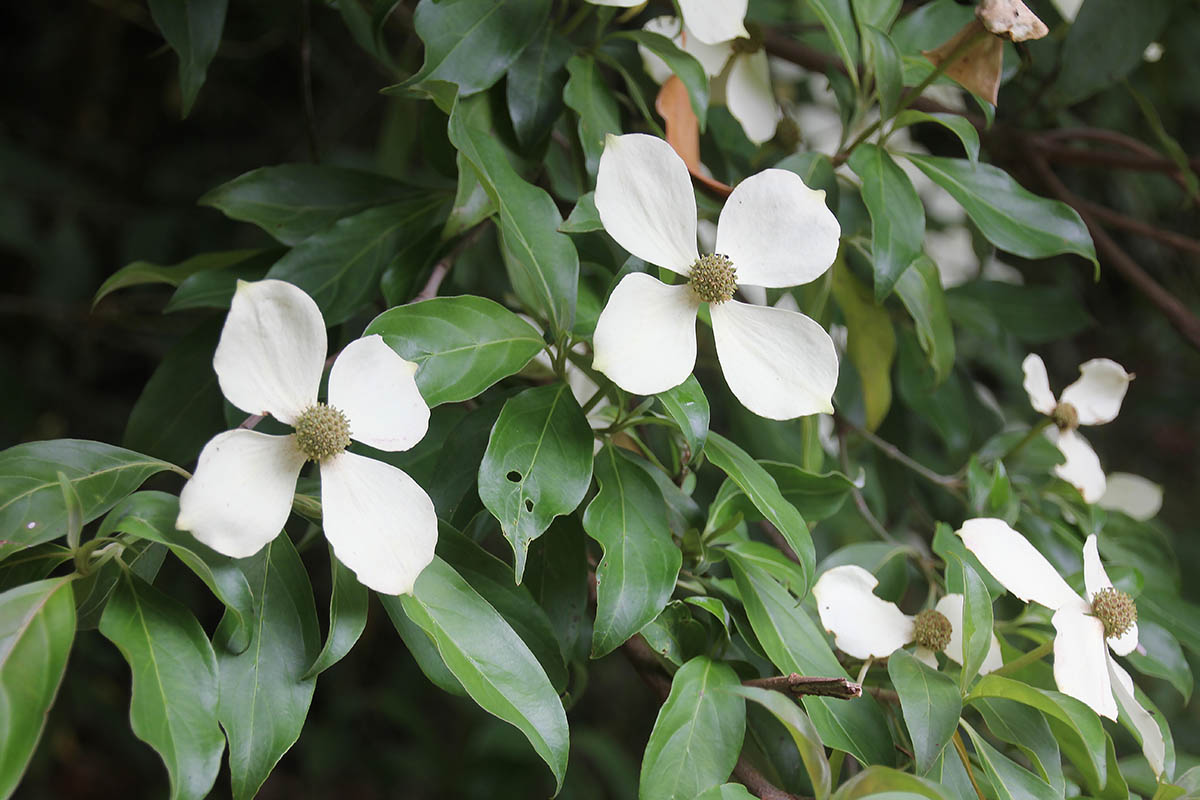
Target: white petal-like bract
(777,231)
(645,201)
(1098,392)
(1131,494)
(750,98)
(951,607)
(1037,384)
(381,524)
(374,388)
(272,350)
(645,338)
(1081,660)
(1153,746)
(1017,564)
(715,21)
(1082,466)
(241,492)
(780,364)
(863,624)
(1094,576)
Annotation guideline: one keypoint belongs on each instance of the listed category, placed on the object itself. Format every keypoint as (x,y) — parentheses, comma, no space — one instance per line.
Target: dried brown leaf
(683,131)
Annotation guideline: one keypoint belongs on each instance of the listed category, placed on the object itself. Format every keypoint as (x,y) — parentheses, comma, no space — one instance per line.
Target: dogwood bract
(865,625)
(712,21)
(269,360)
(1094,399)
(773,232)
(1083,667)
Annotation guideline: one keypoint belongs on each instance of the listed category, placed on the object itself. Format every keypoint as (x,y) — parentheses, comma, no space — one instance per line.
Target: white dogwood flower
(1131,494)
(773,231)
(270,358)
(865,625)
(713,21)
(1094,399)
(1086,628)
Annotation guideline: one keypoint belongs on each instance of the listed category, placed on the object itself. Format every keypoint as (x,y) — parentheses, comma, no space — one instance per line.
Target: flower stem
(1029,437)
(961,749)
(1023,661)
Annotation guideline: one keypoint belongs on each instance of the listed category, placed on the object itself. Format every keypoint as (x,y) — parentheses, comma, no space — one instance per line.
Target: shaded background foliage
(99,171)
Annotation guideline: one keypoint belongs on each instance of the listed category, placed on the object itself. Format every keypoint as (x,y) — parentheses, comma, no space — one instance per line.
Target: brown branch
(1119,220)
(442,268)
(890,450)
(781,544)
(882,694)
(758,784)
(1110,159)
(840,688)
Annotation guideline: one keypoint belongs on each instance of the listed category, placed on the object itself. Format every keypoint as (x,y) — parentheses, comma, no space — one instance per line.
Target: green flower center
(322,432)
(1066,417)
(1116,610)
(932,630)
(714,278)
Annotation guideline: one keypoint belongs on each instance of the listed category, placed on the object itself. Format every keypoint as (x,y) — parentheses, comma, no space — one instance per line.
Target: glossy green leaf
(636,576)
(193,29)
(762,490)
(181,406)
(215,288)
(538,464)
(144,272)
(957,124)
(871,343)
(264,696)
(838,20)
(1105,43)
(557,577)
(534,85)
(1010,781)
(815,495)
(490,660)
(471,43)
(800,728)
(1026,729)
(422,648)
(339,267)
(461,345)
(32,510)
(698,733)
(687,405)
(885,59)
(471,205)
(37,627)
(930,702)
(683,64)
(1080,727)
(542,263)
(175,688)
(293,201)
(897,215)
(589,97)
(885,782)
(726,791)
(1011,217)
(1163,657)
(795,644)
(151,516)
(1032,314)
(347,617)
(977,623)
(878,13)
(584,218)
(143,558)
(920,290)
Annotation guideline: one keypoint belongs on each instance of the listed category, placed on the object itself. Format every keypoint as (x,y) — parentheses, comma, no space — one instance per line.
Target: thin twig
(777,539)
(1119,220)
(840,688)
(882,694)
(860,502)
(891,451)
(442,268)
(758,784)
(961,749)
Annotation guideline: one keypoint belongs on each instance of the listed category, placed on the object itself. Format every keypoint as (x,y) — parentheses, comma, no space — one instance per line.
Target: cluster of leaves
(632,524)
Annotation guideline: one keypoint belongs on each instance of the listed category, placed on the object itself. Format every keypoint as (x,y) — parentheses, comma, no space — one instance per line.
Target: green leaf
(37,627)
(31,500)
(878,13)
(1105,43)
(885,59)
(542,263)
(885,783)
(698,733)
(1011,217)
(897,215)
(534,85)
(930,702)
(422,648)
(1028,730)
(794,644)
(977,623)
(816,170)
(683,64)
(1080,727)
(1010,781)
(215,288)
(143,558)
(174,703)
(687,405)
(957,124)
(339,267)
(293,201)
(726,791)
(797,724)
(871,343)
(1033,314)
(838,20)
(181,406)
(557,577)
(538,464)
(143,272)
(762,490)
(584,218)
(636,576)
(815,495)
(193,29)
(920,290)
(347,617)
(588,96)
(489,659)
(471,43)
(461,345)
(151,516)
(264,695)
(471,205)
(1163,657)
